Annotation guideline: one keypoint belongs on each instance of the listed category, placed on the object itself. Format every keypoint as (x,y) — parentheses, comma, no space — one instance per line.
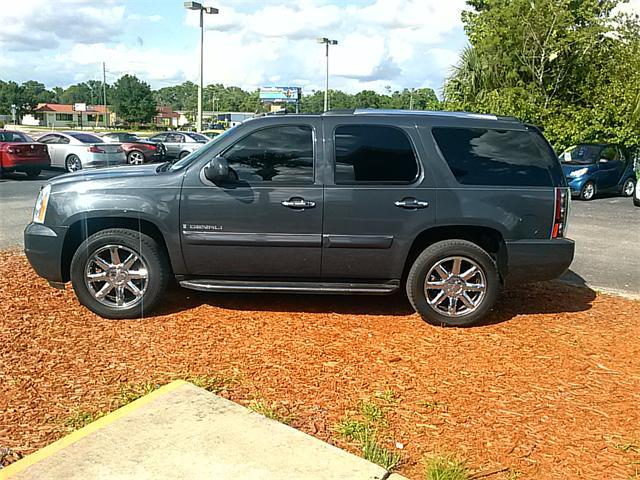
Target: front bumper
(537,260)
(43,248)
(576,184)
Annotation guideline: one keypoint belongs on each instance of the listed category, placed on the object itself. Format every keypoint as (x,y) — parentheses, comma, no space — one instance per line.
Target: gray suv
(449,206)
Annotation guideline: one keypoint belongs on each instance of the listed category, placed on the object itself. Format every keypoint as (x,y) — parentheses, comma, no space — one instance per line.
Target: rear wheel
(33,172)
(453,283)
(628,187)
(135,157)
(120,273)
(73,163)
(588,191)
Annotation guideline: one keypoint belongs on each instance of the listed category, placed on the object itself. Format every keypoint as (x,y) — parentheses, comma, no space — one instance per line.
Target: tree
(132,100)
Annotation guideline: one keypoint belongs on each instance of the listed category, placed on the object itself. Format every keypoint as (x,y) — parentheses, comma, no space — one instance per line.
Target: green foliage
(132,100)
(81,418)
(274,410)
(565,65)
(446,468)
(130,393)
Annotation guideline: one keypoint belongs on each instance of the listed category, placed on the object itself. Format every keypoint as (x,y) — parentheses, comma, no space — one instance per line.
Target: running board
(212,285)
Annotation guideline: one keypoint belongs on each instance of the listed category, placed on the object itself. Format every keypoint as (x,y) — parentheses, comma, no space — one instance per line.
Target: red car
(20,153)
(137,150)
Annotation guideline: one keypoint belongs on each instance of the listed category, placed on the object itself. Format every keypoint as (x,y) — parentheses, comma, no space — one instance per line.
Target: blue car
(592,168)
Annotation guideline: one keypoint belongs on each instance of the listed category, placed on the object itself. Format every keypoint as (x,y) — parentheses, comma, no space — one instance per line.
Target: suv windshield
(196,154)
(581,154)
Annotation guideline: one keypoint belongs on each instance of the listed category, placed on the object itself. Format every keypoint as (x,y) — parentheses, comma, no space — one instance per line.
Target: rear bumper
(43,248)
(21,164)
(537,260)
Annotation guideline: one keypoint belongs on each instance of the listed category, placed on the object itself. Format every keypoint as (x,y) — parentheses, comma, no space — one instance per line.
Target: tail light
(94,149)
(561,214)
(151,147)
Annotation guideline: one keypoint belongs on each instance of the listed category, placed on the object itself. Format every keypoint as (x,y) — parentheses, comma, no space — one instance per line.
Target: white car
(636,197)
(77,150)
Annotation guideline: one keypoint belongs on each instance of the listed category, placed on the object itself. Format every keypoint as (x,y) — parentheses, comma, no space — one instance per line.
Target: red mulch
(547,387)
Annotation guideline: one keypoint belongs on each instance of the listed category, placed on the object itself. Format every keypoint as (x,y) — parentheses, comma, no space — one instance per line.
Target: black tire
(148,250)
(70,163)
(588,191)
(33,172)
(441,251)
(182,155)
(627,191)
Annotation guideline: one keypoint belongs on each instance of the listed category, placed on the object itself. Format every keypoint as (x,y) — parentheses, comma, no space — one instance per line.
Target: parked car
(77,150)
(451,206)
(179,144)
(20,153)
(137,150)
(593,168)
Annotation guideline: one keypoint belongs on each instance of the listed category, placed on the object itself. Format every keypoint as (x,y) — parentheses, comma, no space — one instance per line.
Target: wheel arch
(487,238)
(81,229)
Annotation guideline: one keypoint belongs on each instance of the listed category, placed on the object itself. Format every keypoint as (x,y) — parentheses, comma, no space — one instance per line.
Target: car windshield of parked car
(86,138)
(581,154)
(199,138)
(14,137)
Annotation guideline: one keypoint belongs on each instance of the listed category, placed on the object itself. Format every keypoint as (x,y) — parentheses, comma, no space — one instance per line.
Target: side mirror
(217,170)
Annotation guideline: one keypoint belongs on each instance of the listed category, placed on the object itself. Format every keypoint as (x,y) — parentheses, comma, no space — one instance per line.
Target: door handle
(298,203)
(411,204)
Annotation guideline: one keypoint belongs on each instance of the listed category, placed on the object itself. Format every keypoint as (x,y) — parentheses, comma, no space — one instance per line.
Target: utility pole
(104,93)
(327,42)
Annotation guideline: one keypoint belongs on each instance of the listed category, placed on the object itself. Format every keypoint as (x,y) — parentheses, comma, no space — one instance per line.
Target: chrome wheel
(136,158)
(628,189)
(588,191)
(455,286)
(116,276)
(73,163)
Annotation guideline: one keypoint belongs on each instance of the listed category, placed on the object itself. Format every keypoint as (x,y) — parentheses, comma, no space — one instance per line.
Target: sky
(250,43)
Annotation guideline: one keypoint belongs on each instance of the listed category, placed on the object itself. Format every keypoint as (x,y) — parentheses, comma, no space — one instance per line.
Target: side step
(213,285)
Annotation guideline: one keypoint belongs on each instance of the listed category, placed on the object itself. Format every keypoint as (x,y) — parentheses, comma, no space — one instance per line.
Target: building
(166,117)
(66,116)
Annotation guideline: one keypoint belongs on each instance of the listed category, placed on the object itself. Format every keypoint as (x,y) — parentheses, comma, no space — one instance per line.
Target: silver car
(77,150)
(179,144)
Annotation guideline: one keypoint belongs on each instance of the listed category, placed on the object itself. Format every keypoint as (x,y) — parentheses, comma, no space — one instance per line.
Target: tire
(628,188)
(151,261)
(183,154)
(588,191)
(33,172)
(135,157)
(443,254)
(73,163)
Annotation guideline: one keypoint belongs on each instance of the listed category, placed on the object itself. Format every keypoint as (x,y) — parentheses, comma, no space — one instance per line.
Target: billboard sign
(280,94)
(80,107)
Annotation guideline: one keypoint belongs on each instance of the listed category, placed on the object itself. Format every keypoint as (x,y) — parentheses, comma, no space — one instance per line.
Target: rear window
(373,154)
(14,137)
(478,156)
(86,138)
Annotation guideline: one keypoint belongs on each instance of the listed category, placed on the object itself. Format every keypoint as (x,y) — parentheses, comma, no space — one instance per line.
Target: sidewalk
(184,432)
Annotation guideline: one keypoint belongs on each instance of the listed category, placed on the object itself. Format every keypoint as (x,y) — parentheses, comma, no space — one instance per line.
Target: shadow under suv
(449,206)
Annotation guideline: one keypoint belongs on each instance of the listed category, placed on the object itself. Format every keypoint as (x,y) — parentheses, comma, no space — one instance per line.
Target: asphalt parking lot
(606,231)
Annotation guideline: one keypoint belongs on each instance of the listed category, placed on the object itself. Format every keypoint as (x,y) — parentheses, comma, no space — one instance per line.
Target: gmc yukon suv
(449,206)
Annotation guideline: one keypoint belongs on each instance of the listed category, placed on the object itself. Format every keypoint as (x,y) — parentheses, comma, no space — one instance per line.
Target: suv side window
(282,154)
(479,156)
(373,154)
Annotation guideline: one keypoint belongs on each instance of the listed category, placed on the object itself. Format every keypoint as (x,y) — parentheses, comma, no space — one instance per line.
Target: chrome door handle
(411,204)
(298,203)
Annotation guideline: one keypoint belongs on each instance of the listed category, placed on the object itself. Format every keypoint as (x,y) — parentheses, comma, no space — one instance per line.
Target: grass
(81,418)
(131,392)
(211,383)
(274,411)
(376,453)
(628,447)
(446,467)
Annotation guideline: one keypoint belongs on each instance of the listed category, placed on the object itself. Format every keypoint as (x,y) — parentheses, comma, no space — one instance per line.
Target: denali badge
(191,227)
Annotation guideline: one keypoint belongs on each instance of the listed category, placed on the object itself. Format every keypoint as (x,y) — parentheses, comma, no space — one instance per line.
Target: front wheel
(182,155)
(628,187)
(453,283)
(120,273)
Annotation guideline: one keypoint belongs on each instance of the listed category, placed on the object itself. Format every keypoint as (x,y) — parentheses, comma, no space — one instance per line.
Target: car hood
(123,172)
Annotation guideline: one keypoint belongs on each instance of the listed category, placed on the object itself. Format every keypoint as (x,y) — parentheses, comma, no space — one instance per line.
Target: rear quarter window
(479,156)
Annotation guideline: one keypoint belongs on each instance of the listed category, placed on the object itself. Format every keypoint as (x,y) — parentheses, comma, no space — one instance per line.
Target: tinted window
(276,154)
(373,154)
(495,157)
(199,138)
(14,137)
(175,138)
(86,137)
(581,154)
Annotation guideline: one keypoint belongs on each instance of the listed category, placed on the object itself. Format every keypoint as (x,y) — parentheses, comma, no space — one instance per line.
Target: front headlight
(40,210)
(578,173)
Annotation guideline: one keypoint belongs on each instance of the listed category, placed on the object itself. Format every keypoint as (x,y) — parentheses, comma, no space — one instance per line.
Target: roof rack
(435,113)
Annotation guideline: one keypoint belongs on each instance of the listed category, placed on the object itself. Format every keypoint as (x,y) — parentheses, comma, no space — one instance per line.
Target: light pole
(326,42)
(203,10)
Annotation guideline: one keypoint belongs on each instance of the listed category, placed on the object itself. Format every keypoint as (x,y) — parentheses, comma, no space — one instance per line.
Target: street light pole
(203,10)
(327,42)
